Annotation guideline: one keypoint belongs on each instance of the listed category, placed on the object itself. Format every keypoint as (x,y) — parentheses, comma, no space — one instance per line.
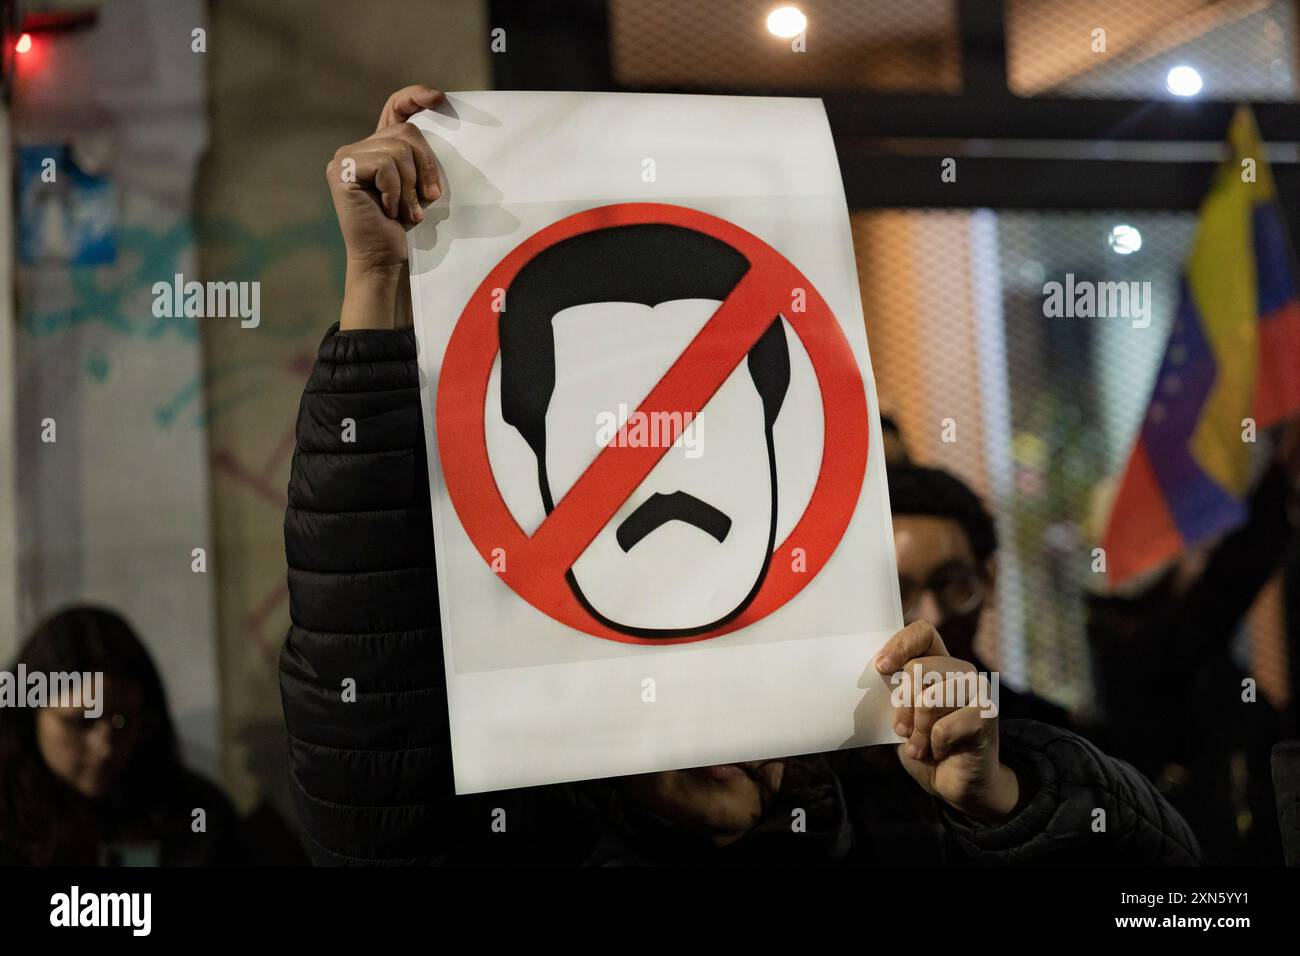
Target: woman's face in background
(89,754)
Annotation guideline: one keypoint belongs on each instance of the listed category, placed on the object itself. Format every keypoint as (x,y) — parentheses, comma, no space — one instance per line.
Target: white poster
(658,486)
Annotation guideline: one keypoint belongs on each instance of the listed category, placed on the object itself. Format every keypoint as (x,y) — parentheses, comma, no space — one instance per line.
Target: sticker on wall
(66,216)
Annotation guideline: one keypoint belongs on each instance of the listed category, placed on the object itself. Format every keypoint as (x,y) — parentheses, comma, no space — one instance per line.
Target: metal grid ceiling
(850,45)
(1243,49)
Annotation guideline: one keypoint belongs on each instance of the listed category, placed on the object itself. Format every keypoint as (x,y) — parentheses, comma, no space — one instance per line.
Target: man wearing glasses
(946,545)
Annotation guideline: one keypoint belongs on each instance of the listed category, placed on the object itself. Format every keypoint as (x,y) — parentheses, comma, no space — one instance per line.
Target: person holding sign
(362,678)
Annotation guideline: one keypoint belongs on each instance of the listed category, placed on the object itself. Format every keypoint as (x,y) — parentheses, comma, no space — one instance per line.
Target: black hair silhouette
(646,263)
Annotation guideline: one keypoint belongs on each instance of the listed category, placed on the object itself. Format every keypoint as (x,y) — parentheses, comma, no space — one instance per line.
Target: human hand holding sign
(952,752)
(379,186)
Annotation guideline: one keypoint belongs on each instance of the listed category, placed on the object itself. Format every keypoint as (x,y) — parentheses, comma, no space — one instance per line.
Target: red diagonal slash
(687,386)
(535,567)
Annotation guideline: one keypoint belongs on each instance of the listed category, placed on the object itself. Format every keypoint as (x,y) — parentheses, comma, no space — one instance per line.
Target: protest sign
(658,490)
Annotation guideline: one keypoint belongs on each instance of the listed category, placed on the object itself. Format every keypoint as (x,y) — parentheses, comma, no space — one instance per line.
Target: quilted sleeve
(1079,807)
(361,674)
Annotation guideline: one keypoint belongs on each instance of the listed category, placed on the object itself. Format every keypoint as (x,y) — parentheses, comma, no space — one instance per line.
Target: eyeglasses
(957,588)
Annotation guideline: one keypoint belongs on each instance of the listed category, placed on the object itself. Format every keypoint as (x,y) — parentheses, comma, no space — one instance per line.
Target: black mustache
(659,509)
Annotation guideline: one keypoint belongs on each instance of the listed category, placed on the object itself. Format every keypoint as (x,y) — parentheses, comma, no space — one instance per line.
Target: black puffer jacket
(372,777)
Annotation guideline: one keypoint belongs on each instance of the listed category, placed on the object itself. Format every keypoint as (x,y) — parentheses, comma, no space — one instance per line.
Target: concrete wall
(290,82)
(112,509)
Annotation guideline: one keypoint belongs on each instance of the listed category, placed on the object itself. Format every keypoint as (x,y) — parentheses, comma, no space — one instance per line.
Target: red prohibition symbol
(537,564)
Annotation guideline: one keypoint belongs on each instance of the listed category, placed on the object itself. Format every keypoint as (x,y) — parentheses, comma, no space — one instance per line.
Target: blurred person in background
(946,547)
(891,437)
(1213,762)
(107,789)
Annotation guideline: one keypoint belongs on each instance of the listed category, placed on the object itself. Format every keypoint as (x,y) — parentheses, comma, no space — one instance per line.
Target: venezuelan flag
(1233,354)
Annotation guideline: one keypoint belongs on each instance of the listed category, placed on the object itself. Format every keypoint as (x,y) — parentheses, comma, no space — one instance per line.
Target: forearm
(375,298)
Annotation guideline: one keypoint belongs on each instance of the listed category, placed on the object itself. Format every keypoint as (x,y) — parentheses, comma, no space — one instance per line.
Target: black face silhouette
(691,548)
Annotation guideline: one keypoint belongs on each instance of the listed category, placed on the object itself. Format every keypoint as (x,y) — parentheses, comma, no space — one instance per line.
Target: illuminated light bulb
(786,22)
(1124,240)
(1183,81)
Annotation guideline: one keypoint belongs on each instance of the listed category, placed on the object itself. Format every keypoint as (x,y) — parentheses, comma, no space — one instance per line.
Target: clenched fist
(379,186)
(942,710)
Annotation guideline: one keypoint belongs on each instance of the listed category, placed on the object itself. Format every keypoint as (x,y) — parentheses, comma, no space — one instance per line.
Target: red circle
(462,441)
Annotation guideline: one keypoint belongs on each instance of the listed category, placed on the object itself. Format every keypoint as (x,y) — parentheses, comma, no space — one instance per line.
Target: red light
(24,43)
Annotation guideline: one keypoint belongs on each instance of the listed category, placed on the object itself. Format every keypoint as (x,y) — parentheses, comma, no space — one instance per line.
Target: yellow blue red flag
(1233,359)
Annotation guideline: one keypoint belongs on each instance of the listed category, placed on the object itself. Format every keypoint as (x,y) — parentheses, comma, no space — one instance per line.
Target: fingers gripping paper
(658,488)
